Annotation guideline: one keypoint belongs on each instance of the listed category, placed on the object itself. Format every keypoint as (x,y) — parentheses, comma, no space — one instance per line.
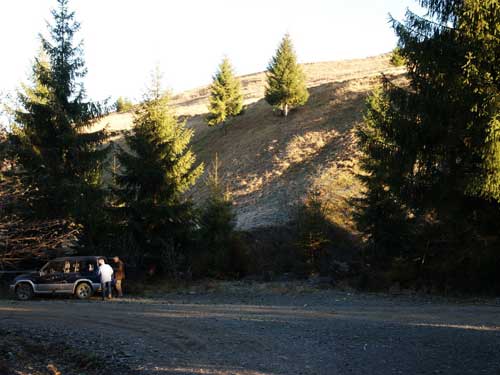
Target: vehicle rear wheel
(24,291)
(83,291)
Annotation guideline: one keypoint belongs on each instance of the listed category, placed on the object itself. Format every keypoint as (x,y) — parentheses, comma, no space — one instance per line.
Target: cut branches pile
(25,239)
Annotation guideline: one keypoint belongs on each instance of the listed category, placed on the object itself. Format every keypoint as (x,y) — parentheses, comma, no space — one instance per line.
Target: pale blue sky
(124,39)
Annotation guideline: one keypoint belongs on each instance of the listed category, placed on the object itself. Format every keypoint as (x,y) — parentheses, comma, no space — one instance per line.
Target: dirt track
(325,332)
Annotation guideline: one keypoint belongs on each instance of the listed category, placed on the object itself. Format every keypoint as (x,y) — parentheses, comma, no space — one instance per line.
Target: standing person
(119,275)
(106,273)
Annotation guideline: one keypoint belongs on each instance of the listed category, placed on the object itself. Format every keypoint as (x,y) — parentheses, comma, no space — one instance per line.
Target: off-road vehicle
(70,275)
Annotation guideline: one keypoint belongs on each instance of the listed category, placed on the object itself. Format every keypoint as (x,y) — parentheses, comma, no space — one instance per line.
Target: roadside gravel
(264,331)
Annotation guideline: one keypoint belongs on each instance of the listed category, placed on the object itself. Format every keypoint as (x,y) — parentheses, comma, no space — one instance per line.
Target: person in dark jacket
(119,275)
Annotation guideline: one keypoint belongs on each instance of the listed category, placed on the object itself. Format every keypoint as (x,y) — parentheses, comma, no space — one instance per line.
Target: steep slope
(270,163)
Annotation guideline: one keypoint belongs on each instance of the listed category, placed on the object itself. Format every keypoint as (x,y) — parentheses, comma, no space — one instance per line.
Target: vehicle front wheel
(24,291)
(83,291)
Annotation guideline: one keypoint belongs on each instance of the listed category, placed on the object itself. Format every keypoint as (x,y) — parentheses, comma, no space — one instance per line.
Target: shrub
(221,251)
(397,58)
(322,243)
(123,105)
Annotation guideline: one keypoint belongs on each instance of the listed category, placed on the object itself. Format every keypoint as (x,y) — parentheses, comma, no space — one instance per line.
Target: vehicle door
(90,270)
(71,273)
(51,276)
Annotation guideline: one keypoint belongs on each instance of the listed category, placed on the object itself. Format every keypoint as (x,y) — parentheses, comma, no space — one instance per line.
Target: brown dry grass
(270,163)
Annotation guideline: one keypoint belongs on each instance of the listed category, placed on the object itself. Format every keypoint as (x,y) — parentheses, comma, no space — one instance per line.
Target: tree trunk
(285,110)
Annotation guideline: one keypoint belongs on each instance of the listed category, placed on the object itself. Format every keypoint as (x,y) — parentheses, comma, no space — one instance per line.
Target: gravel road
(322,332)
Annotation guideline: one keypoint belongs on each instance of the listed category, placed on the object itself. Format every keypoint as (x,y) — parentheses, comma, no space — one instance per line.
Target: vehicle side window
(87,267)
(67,266)
(54,267)
(82,266)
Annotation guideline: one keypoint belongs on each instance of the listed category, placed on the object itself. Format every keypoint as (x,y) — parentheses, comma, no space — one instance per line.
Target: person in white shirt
(106,273)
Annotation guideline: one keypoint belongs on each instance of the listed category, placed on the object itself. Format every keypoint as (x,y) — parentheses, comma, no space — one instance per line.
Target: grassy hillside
(270,163)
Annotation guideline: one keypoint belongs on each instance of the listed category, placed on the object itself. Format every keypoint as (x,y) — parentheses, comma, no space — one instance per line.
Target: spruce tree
(382,215)
(226,99)
(286,82)
(60,157)
(221,252)
(479,24)
(432,147)
(158,167)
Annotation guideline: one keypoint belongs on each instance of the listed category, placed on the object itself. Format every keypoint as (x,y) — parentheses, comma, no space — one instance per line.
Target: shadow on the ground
(340,335)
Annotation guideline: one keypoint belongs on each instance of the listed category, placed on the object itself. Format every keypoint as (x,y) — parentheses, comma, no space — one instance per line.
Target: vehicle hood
(28,275)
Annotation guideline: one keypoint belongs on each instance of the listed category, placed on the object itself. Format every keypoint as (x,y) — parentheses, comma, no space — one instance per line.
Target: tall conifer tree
(60,157)
(432,150)
(226,99)
(286,82)
(158,167)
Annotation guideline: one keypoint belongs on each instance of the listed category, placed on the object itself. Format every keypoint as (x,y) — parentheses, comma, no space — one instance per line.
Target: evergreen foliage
(123,105)
(319,244)
(286,82)
(156,170)
(313,236)
(432,157)
(221,253)
(60,157)
(479,25)
(226,99)
(396,58)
